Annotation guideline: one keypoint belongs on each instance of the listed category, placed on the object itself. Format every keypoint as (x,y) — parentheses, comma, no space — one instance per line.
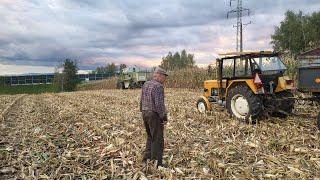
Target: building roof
(312,53)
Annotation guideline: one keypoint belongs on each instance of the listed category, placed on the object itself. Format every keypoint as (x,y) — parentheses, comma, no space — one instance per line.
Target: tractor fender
(249,83)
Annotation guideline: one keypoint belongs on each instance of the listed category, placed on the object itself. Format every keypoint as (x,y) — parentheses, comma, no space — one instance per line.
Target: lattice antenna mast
(240,12)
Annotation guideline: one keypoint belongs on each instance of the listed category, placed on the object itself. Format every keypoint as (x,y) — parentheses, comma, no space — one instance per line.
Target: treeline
(110,68)
(67,80)
(177,61)
(297,33)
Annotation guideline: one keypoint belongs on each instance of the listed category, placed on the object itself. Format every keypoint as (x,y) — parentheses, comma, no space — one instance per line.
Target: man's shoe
(145,159)
(163,165)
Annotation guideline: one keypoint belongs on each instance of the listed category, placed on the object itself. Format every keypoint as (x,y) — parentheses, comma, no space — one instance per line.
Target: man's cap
(161,71)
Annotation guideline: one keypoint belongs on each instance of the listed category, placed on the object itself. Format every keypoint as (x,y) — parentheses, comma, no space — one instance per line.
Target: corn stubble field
(100,135)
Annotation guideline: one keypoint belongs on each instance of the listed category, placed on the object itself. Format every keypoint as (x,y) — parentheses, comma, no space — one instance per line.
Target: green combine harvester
(131,78)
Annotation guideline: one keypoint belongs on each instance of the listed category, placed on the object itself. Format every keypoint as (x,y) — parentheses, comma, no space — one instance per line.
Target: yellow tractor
(250,85)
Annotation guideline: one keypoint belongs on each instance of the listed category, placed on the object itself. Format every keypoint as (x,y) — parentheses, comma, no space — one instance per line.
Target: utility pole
(239,11)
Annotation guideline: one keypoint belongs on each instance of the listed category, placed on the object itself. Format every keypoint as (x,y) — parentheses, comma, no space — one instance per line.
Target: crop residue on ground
(99,134)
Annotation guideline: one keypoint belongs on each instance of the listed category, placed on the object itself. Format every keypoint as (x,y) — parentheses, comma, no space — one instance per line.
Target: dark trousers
(155,141)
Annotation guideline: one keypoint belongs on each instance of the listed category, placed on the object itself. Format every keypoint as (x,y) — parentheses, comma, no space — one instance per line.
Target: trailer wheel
(243,104)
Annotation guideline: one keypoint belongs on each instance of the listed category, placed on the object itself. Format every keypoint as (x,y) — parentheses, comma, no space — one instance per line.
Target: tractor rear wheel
(243,104)
(133,85)
(121,85)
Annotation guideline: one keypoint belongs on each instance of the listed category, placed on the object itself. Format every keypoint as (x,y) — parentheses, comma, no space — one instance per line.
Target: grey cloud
(42,32)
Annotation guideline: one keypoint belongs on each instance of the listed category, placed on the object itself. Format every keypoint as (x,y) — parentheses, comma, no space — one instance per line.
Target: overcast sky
(36,35)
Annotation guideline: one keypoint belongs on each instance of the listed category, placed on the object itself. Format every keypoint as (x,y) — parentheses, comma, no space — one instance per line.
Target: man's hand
(165,119)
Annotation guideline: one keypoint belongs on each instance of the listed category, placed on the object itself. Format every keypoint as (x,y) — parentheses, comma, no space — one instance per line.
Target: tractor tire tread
(255,103)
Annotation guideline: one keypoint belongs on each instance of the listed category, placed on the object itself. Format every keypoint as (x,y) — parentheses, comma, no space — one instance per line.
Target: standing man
(154,115)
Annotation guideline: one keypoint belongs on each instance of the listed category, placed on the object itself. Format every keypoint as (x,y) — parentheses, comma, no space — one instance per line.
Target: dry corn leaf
(100,135)
(178,170)
(293,169)
(7,170)
(301,150)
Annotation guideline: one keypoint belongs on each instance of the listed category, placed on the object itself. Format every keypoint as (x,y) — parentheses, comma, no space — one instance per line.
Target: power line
(239,11)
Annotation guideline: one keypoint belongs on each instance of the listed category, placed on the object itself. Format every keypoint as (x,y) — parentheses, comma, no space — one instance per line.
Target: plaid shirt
(152,98)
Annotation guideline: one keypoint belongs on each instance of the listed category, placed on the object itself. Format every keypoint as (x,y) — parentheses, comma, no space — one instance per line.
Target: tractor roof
(246,53)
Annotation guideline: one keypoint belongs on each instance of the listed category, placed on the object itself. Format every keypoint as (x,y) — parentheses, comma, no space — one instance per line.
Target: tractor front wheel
(202,106)
(243,104)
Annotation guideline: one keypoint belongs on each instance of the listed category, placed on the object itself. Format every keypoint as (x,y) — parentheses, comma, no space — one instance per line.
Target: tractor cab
(244,82)
(264,67)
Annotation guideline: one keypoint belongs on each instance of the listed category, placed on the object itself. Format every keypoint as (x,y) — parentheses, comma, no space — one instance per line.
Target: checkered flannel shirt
(152,98)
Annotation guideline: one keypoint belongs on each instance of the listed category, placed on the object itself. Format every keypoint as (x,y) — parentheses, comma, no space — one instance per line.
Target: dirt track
(100,134)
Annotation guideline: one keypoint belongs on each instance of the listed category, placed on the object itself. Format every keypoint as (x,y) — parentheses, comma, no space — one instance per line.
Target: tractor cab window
(228,67)
(273,64)
(243,67)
